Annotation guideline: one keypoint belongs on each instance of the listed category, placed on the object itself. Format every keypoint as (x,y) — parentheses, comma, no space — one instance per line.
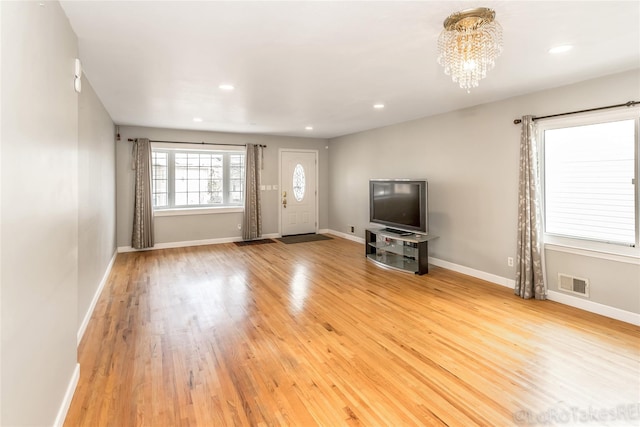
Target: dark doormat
(254,242)
(302,238)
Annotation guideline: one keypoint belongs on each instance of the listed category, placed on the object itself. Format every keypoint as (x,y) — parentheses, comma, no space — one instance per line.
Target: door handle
(284,203)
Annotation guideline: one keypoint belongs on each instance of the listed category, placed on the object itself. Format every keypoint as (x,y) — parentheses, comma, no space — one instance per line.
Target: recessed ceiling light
(378,106)
(308,128)
(226,86)
(561,49)
(197,119)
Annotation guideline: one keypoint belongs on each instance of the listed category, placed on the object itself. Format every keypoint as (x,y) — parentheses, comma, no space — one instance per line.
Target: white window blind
(589,187)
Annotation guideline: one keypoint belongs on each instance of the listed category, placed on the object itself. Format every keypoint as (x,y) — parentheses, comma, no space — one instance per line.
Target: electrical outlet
(510,261)
(352,229)
(239,226)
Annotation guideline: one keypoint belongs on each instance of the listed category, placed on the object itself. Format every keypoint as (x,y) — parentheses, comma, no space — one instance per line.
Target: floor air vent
(573,284)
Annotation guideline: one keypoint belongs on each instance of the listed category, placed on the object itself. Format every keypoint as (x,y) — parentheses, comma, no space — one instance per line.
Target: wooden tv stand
(401,252)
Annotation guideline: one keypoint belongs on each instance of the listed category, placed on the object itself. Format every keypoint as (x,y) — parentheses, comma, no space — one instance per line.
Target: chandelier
(469,45)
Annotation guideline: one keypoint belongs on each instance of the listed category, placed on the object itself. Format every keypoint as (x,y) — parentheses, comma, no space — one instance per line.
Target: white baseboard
(503,281)
(594,307)
(346,236)
(582,304)
(68,396)
(94,301)
(187,243)
(498,280)
(614,313)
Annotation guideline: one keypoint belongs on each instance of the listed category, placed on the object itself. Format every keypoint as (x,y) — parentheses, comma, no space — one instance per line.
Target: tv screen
(399,204)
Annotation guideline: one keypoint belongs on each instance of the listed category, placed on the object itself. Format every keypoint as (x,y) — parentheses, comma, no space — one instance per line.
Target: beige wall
(57,228)
(470,158)
(96,196)
(173,229)
(39,211)
(612,283)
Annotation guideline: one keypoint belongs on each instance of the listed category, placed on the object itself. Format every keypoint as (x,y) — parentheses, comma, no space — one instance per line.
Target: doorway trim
(296,150)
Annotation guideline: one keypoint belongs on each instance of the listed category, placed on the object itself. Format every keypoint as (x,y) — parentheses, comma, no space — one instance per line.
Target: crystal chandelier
(469,45)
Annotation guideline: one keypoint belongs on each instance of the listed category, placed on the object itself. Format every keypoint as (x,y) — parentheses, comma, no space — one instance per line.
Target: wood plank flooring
(314,334)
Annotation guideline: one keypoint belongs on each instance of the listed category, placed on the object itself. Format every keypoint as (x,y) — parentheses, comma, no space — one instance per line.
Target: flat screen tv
(399,204)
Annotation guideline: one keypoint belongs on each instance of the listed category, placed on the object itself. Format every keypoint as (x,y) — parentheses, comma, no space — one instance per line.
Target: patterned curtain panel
(252,221)
(142,236)
(530,271)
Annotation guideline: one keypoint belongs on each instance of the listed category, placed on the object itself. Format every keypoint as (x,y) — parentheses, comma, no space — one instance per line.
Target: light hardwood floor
(314,334)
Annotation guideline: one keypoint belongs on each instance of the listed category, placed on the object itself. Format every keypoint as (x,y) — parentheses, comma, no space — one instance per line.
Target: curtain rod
(627,104)
(200,143)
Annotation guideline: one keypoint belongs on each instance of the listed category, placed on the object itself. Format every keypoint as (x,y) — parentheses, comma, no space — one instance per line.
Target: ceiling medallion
(469,45)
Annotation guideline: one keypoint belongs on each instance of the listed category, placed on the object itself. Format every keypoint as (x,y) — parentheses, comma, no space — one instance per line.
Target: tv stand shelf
(398,251)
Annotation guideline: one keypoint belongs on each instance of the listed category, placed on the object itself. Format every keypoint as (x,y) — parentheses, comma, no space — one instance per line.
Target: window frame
(585,245)
(173,148)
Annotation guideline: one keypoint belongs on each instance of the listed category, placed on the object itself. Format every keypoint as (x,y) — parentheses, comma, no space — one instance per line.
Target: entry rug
(302,238)
(254,242)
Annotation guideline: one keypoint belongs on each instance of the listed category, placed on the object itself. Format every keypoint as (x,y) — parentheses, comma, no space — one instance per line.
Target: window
(196,179)
(298,182)
(589,176)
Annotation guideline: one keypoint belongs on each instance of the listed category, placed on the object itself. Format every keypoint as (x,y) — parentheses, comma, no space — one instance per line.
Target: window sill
(621,254)
(197,211)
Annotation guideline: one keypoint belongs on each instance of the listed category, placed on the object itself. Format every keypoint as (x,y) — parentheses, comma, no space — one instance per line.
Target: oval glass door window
(298,182)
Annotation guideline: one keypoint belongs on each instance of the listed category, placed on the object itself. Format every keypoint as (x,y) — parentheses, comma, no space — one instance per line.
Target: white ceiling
(324,64)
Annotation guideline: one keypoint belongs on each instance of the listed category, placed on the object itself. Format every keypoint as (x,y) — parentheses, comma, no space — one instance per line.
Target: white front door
(298,192)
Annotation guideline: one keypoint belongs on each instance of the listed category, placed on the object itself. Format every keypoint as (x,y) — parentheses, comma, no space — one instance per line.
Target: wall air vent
(575,285)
